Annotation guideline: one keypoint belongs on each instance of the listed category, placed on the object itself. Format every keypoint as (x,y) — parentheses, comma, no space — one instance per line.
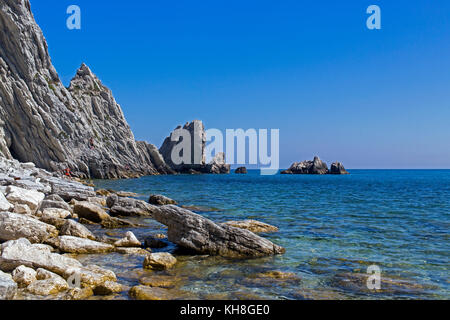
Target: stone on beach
(129,240)
(121,206)
(77,245)
(108,288)
(22,209)
(31,198)
(90,211)
(14,226)
(252,225)
(24,276)
(56,213)
(8,287)
(150,293)
(52,204)
(47,283)
(4,204)
(159,261)
(73,228)
(194,232)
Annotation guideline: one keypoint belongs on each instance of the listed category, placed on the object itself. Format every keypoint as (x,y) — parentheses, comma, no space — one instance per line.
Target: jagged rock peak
(81,128)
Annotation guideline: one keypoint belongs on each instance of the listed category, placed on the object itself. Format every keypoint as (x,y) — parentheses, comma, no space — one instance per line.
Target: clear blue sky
(371,99)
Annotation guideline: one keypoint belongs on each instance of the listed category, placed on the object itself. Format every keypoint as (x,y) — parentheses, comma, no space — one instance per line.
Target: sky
(312,69)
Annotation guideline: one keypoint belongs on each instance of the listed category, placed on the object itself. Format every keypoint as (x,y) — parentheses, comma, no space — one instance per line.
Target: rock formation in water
(197,163)
(316,166)
(81,127)
(241,170)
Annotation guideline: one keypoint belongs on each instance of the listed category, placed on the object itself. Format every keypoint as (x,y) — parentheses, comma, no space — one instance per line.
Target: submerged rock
(150,293)
(252,225)
(159,261)
(192,231)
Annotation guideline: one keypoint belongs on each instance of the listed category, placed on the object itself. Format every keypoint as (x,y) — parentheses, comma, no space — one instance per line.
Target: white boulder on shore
(14,226)
(8,287)
(31,198)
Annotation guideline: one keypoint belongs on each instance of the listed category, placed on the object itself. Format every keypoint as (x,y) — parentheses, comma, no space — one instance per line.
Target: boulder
(160,200)
(338,168)
(107,288)
(20,252)
(197,233)
(77,245)
(24,276)
(8,287)
(75,229)
(15,226)
(121,206)
(47,283)
(22,209)
(69,190)
(159,261)
(252,225)
(4,204)
(134,251)
(90,211)
(32,185)
(150,293)
(31,198)
(50,204)
(56,213)
(241,170)
(129,240)
(154,242)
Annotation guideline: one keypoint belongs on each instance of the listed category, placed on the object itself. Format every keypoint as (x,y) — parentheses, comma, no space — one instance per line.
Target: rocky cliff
(81,127)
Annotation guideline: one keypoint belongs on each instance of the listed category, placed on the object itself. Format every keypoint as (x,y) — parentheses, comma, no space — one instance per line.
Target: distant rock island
(315,166)
(241,170)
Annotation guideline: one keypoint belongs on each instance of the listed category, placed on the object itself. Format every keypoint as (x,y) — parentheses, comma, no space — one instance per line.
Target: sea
(372,234)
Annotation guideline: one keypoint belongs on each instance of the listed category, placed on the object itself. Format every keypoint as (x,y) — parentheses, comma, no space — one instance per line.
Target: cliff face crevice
(81,127)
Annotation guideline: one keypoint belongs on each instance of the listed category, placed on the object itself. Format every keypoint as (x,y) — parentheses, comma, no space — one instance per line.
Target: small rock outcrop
(338,168)
(241,170)
(315,166)
(194,232)
(159,261)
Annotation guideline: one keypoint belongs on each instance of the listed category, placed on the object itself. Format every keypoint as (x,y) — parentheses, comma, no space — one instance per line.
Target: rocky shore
(45,222)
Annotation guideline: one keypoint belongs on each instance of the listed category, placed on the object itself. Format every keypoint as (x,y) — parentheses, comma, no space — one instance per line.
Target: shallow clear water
(333,228)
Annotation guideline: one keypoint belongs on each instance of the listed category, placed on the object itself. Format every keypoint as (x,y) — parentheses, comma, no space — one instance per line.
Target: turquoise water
(333,228)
